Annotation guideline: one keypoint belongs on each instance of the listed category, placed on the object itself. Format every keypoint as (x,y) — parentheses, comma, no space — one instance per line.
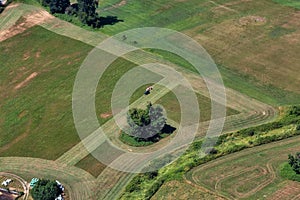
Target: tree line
(84,10)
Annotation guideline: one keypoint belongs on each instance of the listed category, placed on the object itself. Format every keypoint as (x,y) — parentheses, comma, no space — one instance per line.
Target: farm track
(24,184)
(81,183)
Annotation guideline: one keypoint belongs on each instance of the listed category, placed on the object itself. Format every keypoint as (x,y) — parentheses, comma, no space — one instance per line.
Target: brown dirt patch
(221,8)
(252,20)
(23,83)
(38,54)
(23,24)
(105,115)
(26,56)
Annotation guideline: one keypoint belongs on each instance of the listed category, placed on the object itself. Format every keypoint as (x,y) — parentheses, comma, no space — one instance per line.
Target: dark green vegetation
(145,186)
(81,13)
(146,126)
(294,162)
(45,190)
(151,118)
(287,171)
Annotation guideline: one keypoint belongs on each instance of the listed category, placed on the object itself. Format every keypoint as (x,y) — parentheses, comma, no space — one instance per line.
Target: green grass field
(255,45)
(41,109)
(247,52)
(291,3)
(181,190)
(36,119)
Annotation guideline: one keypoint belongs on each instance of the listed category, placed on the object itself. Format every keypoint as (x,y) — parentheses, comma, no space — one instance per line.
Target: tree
(294,162)
(45,190)
(59,6)
(146,123)
(87,11)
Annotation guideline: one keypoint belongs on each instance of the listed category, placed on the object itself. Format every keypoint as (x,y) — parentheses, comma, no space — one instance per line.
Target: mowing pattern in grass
(254,38)
(285,127)
(181,190)
(249,174)
(80,181)
(170,103)
(91,165)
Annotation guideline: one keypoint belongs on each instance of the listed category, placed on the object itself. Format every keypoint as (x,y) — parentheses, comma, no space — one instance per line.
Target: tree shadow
(168,129)
(108,20)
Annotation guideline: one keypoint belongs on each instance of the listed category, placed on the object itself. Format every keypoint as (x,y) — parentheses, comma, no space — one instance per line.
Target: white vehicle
(6,182)
(59,197)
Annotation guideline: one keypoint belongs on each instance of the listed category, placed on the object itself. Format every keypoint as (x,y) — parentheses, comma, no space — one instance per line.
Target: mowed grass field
(37,72)
(37,76)
(255,43)
(249,174)
(181,190)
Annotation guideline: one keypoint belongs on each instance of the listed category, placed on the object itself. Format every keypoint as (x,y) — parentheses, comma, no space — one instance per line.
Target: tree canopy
(146,123)
(87,11)
(58,6)
(45,190)
(294,162)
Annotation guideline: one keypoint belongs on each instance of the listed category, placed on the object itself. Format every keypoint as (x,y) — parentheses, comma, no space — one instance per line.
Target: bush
(294,162)
(295,110)
(287,171)
(134,185)
(235,148)
(154,188)
(45,190)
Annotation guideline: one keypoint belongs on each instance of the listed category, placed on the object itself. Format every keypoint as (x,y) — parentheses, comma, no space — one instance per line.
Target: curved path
(266,167)
(21,180)
(110,183)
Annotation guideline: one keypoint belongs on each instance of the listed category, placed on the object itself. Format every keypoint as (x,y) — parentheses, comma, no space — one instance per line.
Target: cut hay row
(79,151)
(11,16)
(218,174)
(253,112)
(78,182)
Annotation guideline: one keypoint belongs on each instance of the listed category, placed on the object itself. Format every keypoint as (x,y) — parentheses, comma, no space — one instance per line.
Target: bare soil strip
(23,83)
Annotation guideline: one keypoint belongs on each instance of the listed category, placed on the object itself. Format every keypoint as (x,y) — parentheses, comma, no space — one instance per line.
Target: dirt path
(24,184)
(79,182)
(22,20)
